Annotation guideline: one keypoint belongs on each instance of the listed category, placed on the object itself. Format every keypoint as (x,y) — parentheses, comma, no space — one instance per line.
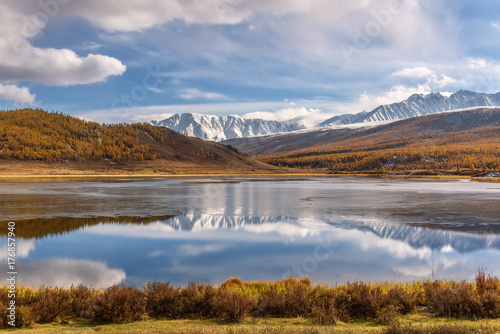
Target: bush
(24,317)
(324,307)
(299,299)
(50,303)
(233,305)
(271,303)
(355,301)
(120,304)
(398,298)
(454,300)
(196,300)
(81,301)
(388,315)
(162,300)
(491,304)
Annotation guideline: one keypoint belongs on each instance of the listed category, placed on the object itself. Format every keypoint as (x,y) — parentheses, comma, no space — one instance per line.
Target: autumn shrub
(355,301)
(488,289)
(299,297)
(271,303)
(454,300)
(24,317)
(119,304)
(388,315)
(196,300)
(323,309)
(162,300)
(81,300)
(397,297)
(50,303)
(233,305)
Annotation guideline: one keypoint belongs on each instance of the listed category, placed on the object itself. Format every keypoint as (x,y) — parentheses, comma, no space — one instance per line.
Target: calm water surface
(105,232)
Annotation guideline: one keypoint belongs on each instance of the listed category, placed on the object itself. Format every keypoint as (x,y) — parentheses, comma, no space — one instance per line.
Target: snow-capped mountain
(417,105)
(219,128)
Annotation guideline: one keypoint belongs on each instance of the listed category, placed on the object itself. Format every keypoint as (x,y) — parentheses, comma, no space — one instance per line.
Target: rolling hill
(445,141)
(39,142)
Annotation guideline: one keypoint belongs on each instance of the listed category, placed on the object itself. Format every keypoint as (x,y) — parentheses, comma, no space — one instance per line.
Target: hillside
(443,142)
(39,142)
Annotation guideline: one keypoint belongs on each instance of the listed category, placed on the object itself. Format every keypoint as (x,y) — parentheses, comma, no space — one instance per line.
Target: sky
(142,60)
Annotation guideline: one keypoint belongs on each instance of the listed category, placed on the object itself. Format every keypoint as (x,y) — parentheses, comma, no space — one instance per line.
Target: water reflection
(212,247)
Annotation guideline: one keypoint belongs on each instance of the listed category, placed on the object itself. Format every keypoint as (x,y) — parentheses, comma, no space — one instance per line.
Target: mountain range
(219,128)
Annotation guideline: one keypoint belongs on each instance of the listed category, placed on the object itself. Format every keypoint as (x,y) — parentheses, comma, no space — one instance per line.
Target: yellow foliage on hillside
(29,134)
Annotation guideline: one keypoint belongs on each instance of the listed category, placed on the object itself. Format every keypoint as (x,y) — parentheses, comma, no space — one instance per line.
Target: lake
(102,232)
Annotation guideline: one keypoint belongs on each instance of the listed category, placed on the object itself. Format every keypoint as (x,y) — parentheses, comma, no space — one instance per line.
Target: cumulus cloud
(65,272)
(17,94)
(395,94)
(24,248)
(21,61)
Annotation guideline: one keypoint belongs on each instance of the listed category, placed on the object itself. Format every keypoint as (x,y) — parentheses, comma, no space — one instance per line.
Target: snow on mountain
(417,105)
(219,128)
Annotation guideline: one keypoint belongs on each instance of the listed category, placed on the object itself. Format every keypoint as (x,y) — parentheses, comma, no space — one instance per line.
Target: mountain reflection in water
(105,251)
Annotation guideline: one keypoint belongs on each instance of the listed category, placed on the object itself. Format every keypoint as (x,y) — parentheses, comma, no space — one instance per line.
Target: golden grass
(419,319)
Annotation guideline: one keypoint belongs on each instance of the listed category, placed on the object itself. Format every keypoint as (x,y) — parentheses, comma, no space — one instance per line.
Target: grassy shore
(419,321)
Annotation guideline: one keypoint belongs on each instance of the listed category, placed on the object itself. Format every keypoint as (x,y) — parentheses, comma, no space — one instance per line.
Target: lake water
(102,232)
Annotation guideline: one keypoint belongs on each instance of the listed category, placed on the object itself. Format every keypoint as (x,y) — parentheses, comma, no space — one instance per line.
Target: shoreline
(249,175)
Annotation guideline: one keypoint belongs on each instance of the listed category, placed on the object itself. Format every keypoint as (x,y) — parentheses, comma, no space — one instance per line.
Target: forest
(467,152)
(29,134)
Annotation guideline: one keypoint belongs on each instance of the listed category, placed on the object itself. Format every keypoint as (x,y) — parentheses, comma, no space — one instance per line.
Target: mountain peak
(418,105)
(217,128)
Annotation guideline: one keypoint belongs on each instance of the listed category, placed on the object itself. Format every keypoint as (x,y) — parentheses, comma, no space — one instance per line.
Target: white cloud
(91,46)
(395,94)
(308,117)
(21,61)
(24,248)
(65,272)
(495,25)
(194,94)
(476,63)
(17,94)
(414,72)
(195,250)
(118,15)
(433,80)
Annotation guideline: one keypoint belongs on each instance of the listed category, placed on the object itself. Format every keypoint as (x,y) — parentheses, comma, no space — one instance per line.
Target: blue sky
(131,60)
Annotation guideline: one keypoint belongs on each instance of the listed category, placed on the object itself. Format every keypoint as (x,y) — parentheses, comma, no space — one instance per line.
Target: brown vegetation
(236,300)
(38,142)
(455,153)
(463,143)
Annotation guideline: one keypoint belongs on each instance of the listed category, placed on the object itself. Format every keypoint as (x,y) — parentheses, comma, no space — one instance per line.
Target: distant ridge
(220,128)
(415,106)
(217,128)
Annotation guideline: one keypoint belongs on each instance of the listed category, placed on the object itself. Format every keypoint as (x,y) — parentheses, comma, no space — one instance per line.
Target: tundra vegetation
(384,305)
